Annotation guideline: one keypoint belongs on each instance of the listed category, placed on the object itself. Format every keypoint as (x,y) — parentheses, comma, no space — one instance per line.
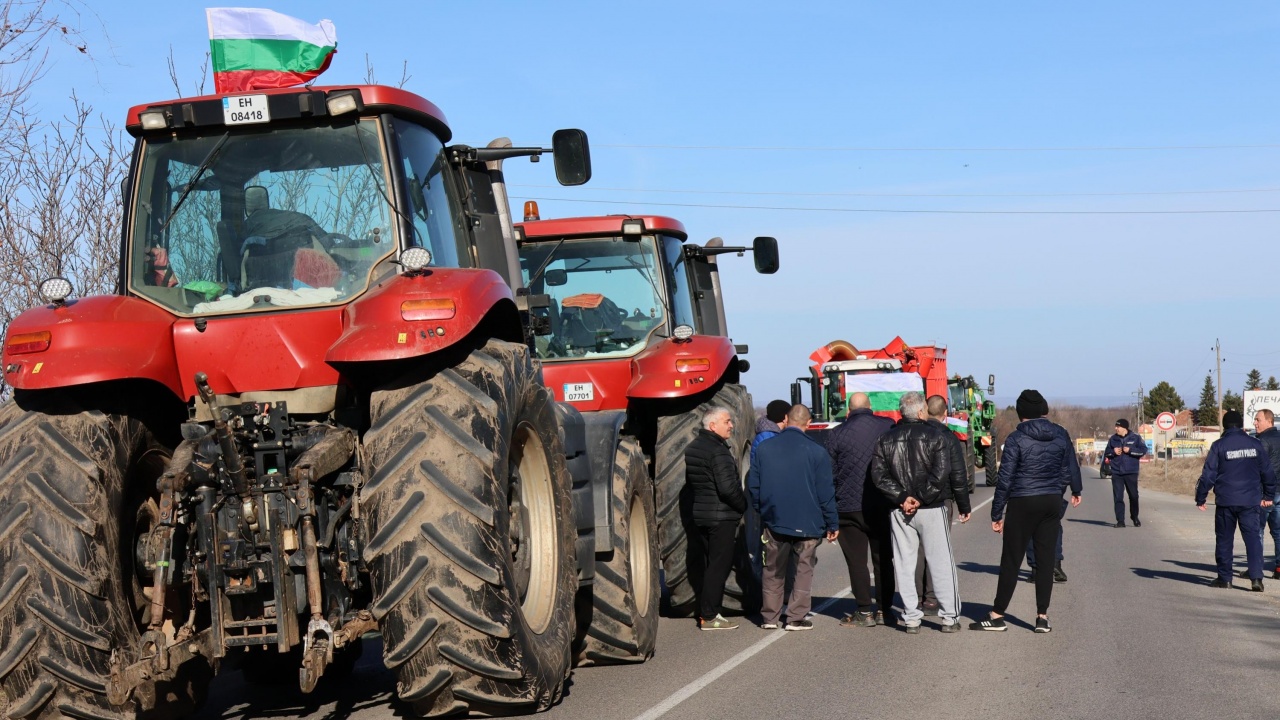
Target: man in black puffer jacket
(1038,464)
(912,468)
(864,517)
(711,475)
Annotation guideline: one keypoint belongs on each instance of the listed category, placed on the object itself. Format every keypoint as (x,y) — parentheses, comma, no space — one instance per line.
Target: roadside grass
(1179,478)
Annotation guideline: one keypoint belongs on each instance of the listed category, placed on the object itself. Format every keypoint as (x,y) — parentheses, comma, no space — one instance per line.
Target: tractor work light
(428,309)
(686,365)
(55,289)
(26,343)
(415,258)
(153,120)
(682,333)
(342,103)
(633,227)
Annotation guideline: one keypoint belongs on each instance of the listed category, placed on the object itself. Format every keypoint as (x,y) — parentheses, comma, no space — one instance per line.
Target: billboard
(1255,400)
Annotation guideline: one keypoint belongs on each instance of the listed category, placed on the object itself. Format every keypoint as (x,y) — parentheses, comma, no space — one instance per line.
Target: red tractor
(309,412)
(634,336)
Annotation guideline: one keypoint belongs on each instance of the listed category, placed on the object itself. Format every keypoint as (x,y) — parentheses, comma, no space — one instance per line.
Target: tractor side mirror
(765,250)
(991,384)
(572,156)
(556,278)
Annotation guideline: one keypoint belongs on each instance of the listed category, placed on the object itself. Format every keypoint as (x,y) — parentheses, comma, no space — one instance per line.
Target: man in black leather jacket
(711,474)
(1264,421)
(912,468)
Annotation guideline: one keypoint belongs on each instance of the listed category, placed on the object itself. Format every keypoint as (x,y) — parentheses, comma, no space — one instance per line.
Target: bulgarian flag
(885,390)
(254,49)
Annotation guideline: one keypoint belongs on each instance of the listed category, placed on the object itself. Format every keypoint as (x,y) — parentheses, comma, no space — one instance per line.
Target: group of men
(884,490)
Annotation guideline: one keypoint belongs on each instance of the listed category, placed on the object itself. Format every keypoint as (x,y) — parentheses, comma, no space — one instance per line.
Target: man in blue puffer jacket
(1238,471)
(1038,464)
(1123,450)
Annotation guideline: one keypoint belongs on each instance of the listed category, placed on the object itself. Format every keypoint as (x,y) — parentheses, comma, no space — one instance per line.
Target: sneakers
(912,629)
(719,622)
(990,625)
(769,626)
(1256,586)
(951,628)
(1042,625)
(860,618)
(1059,575)
(1137,522)
(1219,583)
(799,625)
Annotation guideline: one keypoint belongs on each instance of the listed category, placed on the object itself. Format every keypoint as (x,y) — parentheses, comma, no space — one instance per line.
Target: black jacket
(1039,459)
(711,474)
(851,446)
(955,452)
(1270,439)
(913,460)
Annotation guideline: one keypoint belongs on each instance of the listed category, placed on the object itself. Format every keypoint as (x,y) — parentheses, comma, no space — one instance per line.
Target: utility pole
(1217,349)
(1142,406)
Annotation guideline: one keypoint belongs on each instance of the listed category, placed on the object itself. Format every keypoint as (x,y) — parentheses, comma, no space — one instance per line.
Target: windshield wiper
(545,262)
(644,270)
(200,171)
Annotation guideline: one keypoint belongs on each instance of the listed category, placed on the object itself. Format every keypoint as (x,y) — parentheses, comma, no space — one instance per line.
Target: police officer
(1238,471)
(1123,450)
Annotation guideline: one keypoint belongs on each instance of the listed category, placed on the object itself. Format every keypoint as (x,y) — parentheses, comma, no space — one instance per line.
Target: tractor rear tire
(624,618)
(471,534)
(970,465)
(675,432)
(989,463)
(72,481)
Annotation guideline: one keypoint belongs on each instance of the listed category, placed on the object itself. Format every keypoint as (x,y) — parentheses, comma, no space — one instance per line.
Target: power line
(635,203)
(785,193)
(797,148)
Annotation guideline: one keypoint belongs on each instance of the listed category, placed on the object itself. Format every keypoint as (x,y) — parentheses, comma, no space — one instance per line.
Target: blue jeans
(1270,518)
(1031,549)
(1225,519)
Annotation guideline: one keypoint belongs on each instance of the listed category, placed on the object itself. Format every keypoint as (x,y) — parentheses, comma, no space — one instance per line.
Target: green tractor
(972,417)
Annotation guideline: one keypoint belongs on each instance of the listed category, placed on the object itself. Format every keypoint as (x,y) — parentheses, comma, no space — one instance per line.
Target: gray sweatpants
(931,528)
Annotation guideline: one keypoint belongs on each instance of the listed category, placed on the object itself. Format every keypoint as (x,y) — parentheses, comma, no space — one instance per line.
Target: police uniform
(1238,471)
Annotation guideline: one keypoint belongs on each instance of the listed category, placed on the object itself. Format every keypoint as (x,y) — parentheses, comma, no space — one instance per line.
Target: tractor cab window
(958,397)
(606,295)
(260,218)
(678,273)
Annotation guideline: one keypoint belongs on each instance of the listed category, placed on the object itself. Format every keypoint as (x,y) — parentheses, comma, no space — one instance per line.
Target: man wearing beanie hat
(1038,463)
(1238,471)
(1123,450)
(771,423)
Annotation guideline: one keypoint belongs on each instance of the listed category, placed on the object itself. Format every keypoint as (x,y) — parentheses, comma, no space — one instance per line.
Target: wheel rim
(533,528)
(641,560)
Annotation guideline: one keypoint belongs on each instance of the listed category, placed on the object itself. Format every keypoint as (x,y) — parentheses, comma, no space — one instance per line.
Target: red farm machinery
(633,335)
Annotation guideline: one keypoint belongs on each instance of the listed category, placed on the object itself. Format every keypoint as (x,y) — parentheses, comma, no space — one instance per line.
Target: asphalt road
(1137,634)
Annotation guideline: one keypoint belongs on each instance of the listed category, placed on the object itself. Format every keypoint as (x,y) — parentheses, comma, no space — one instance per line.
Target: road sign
(1165,421)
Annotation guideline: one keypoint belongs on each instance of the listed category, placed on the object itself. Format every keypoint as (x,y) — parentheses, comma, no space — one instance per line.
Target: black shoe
(1256,586)
(1243,574)
(1031,577)
(990,624)
(1059,576)
(1119,525)
(865,619)
(1219,583)
(1042,625)
(1137,522)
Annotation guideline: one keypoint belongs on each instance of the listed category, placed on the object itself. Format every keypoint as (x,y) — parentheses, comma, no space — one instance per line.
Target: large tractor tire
(75,488)
(624,618)
(989,463)
(471,534)
(675,525)
(970,465)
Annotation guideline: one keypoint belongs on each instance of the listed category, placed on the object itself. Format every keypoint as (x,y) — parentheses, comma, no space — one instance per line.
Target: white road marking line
(974,509)
(692,688)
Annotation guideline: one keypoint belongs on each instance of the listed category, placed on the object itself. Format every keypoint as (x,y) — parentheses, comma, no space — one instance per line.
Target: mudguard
(583,488)
(655,372)
(85,344)
(604,430)
(376,330)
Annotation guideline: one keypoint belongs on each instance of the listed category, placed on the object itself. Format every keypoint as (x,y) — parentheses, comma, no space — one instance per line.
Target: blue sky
(905,107)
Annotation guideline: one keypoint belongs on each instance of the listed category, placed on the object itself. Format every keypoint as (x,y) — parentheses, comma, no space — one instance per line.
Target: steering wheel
(328,240)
